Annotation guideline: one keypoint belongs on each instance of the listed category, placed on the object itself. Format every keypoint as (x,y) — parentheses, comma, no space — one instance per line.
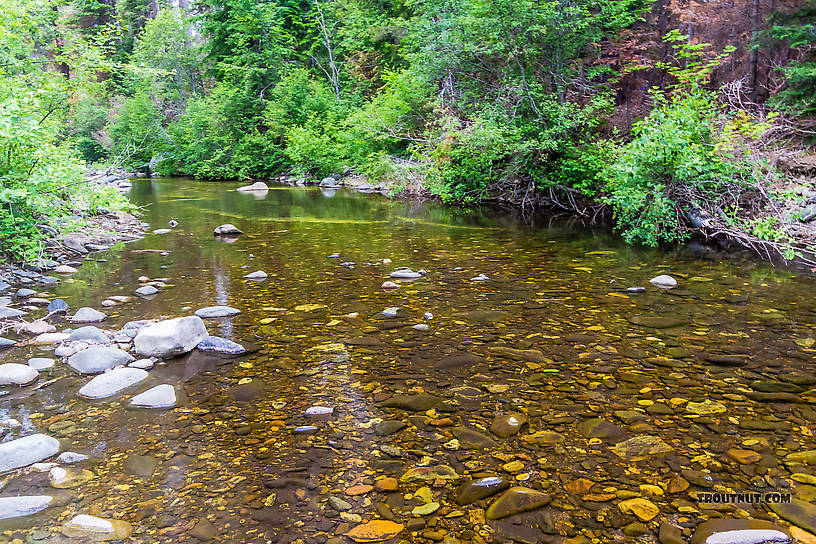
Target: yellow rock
(375,530)
(640,507)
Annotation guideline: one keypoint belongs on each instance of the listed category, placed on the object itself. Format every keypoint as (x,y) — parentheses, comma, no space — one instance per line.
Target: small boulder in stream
(170,337)
(96,359)
(112,382)
(88,315)
(26,451)
(17,374)
(161,396)
(16,507)
(227,229)
(222,346)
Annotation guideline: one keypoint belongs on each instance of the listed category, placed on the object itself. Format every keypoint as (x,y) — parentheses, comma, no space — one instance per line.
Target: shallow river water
(608,412)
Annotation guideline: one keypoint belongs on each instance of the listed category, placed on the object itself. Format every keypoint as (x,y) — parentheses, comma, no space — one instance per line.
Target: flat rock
(797,512)
(376,530)
(6,342)
(405,274)
(472,439)
(26,451)
(51,338)
(216,344)
(69,477)
(10,313)
(112,382)
(65,269)
(88,315)
(161,396)
(413,403)
(17,507)
(217,311)
(600,428)
(96,359)
(17,374)
(36,328)
(429,474)
(656,321)
(92,528)
(389,427)
(89,333)
(522,355)
(257,186)
(41,363)
(170,337)
(516,500)
(480,488)
(641,447)
(643,509)
(739,531)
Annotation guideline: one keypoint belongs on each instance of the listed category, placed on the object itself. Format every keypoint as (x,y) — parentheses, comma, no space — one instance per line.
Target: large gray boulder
(96,359)
(170,337)
(112,382)
(26,451)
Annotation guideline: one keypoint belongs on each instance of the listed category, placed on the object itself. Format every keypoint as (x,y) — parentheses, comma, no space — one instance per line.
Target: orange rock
(386,485)
(579,487)
(375,530)
(358,490)
(444,422)
(802,536)
(744,457)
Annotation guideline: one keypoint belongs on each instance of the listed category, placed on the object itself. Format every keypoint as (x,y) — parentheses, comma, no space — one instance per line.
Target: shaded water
(719,366)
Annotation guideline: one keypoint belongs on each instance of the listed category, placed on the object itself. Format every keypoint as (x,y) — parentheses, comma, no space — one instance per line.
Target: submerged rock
(739,531)
(797,512)
(171,337)
(656,321)
(161,396)
(516,500)
(26,451)
(17,374)
(16,507)
(93,528)
(641,447)
(481,488)
(96,359)
(429,474)
(112,382)
(216,344)
(505,425)
(217,311)
(41,363)
(68,478)
(471,439)
(376,530)
(413,403)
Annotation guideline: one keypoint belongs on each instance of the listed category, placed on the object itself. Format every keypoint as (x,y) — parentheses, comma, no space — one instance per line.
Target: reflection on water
(542,375)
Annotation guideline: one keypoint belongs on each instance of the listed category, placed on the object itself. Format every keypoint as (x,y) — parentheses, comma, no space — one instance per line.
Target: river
(615,408)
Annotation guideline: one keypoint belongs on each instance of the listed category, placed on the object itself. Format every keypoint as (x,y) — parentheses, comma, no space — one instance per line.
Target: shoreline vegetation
(507,102)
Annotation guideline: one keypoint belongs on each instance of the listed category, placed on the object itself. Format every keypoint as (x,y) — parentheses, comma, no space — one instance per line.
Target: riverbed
(519,357)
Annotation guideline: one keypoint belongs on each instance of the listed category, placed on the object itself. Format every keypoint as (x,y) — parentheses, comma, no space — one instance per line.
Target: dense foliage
(472,99)
(41,175)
